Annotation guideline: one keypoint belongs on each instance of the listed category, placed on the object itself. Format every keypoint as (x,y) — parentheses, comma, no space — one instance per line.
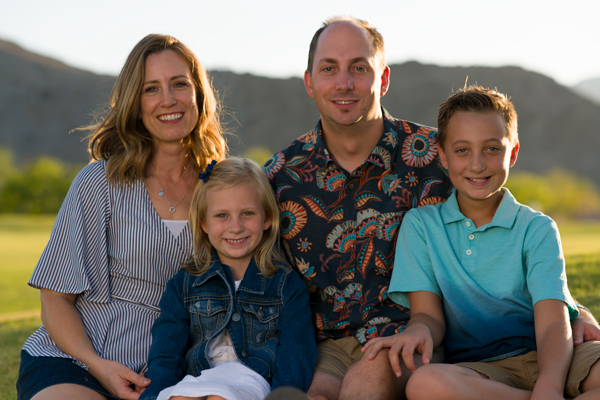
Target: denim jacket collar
(253,282)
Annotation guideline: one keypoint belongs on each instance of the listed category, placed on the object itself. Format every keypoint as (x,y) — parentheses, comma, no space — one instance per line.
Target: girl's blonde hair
(228,173)
(121,138)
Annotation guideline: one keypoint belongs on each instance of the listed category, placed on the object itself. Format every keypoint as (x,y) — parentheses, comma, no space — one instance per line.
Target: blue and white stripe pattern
(109,245)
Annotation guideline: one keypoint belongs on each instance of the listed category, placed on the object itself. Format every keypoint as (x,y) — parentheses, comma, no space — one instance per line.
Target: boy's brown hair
(477,99)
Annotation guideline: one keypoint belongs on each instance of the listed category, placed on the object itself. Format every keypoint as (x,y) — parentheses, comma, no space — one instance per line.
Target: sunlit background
(270,38)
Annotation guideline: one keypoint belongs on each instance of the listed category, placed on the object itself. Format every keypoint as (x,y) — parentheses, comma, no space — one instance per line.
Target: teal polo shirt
(488,278)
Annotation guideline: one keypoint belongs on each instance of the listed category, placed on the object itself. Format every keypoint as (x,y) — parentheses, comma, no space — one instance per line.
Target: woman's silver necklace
(161,193)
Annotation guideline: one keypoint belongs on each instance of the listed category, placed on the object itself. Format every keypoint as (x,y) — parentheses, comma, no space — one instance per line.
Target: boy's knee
(426,382)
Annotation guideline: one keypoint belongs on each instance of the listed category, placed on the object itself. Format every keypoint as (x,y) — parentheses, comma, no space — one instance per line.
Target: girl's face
(235,223)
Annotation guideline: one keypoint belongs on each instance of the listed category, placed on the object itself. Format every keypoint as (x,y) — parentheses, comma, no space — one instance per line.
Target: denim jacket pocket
(261,321)
(208,314)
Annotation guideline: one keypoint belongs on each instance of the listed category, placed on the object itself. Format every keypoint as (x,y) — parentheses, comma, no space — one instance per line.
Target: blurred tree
(557,193)
(259,154)
(37,188)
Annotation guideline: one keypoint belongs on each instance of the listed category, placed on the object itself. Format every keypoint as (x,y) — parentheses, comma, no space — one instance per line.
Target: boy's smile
(478,154)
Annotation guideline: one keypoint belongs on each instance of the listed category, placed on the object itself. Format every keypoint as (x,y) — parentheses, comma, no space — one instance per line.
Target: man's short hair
(376,38)
(477,99)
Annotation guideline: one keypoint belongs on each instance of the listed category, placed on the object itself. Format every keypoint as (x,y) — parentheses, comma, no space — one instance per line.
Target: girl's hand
(117,379)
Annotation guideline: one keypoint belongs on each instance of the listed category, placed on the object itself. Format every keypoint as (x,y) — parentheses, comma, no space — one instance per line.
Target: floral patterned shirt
(339,229)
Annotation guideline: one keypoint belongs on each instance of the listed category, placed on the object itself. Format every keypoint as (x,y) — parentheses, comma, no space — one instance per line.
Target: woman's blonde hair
(121,138)
(228,173)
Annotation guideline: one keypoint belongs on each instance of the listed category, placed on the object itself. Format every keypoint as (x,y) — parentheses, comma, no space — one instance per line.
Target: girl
(237,318)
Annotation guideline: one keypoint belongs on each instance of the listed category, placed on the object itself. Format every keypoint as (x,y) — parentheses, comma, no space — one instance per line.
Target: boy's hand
(415,338)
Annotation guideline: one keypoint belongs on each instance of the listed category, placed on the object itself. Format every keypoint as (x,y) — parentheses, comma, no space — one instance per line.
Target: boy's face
(478,154)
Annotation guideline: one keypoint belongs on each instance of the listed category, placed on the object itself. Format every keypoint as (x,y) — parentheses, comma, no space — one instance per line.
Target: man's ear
(308,83)
(385,81)
(514,153)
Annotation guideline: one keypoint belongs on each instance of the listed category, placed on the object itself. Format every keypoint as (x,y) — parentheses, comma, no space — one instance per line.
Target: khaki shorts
(337,355)
(522,371)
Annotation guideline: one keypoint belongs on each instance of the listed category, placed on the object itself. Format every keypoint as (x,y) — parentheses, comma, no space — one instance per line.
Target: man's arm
(585,327)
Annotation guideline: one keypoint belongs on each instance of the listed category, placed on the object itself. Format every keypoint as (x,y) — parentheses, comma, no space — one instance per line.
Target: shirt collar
(505,215)
(387,141)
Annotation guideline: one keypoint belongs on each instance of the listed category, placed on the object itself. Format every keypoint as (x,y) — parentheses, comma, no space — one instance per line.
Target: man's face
(347,78)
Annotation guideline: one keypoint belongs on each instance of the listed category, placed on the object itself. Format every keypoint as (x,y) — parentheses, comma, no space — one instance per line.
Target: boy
(486,275)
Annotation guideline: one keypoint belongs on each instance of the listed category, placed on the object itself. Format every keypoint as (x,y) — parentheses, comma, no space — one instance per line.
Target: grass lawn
(22,240)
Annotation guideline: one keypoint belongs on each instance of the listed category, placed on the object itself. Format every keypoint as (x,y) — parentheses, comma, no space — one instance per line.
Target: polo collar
(505,215)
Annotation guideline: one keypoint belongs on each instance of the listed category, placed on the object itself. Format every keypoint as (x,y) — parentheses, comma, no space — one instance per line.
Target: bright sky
(560,39)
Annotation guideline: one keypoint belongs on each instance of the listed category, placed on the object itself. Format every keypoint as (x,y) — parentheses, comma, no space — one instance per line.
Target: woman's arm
(63,322)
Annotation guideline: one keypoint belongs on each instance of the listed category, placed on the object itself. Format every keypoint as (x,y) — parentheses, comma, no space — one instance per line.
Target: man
(343,189)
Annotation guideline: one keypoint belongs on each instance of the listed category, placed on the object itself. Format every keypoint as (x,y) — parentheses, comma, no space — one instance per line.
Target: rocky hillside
(43,99)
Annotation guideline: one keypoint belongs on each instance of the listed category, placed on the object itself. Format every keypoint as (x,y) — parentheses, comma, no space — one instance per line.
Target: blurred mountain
(44,99)
(590,88)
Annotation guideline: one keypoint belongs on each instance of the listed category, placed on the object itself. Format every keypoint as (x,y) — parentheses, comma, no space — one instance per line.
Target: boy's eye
(220,215)
(248,213)
(460,151)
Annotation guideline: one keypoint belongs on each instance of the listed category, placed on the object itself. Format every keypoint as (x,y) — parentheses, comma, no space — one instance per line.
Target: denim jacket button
(261,313)
(244,354)
(235,317)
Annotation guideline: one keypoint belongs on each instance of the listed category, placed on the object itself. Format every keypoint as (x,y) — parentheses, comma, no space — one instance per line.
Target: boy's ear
(442,157)
(514,153)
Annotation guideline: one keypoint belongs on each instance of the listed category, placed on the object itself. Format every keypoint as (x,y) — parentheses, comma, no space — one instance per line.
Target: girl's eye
(220,215)
(248,213)
(181,84)
(150,89)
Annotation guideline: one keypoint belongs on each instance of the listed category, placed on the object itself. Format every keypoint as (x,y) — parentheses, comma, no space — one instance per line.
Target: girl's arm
(64,324)
(554,348)
(170,336)
(297,351)
(424,332)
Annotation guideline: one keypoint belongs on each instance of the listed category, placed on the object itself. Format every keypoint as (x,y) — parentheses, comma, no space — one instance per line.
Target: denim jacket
(269,321)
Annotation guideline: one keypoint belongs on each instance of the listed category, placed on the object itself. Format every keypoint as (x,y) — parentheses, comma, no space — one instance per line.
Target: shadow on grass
(13,334)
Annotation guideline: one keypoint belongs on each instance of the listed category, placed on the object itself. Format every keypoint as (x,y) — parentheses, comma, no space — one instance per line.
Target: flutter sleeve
(75,259)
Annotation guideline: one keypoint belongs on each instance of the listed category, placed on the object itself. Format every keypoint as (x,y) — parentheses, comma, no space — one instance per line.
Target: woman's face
(168,103)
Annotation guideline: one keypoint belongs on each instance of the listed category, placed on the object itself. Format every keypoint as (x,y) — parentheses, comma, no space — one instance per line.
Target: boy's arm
(424,332)
(554,348)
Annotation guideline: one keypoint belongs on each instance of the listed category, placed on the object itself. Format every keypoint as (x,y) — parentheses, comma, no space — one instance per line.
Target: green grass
(22,240)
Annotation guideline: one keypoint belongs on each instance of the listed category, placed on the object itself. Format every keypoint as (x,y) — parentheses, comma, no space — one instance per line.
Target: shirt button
(469,252)
(468,223)
(471,236)
(351,186)
(236,317)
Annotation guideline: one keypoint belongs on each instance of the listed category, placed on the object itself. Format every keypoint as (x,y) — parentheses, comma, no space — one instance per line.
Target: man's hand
(585,328)
(117,379)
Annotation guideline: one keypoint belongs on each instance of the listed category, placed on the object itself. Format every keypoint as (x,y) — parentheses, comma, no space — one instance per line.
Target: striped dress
(109,246)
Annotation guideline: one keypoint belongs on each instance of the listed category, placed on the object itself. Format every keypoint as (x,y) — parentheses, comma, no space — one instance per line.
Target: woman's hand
(117,379)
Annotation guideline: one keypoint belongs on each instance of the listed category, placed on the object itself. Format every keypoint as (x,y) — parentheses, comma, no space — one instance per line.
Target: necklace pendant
(172,209)
(161,193)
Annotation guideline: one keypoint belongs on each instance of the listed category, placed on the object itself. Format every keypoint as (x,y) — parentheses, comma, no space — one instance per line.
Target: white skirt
(232,381)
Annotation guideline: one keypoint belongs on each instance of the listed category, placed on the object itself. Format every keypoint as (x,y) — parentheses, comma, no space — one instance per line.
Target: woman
(123,230)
